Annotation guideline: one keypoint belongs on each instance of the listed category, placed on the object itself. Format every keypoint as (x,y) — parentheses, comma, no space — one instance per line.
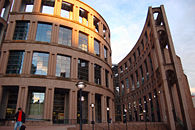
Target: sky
(126,19)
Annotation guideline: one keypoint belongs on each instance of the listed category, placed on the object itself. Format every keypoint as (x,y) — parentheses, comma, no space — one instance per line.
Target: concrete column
(51,63)
(48,107)
(17,4)
(54,35)
(57,7)
(28,58)
(22,97)
(73,105)
(104,112)
(91,44)
(103,77)
(4,60)
(75,37)
(32,31)
(90,20)
(10,30)
(1,5)
(101,28)
(74,67)
(76,13)
(37,6)
(90,100)
(91,78)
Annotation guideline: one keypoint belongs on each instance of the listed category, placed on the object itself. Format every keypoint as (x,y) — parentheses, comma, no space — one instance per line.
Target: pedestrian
(20,118)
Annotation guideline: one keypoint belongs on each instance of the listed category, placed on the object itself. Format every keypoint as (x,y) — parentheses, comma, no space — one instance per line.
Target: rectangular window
(130,62)
(40,63)
(2,12)
(36,100)
(63,66)
(122,88)
(65,36)
(150,59)
(127,83)
(83,16)
(21,30)
(142,42)
(96,47)
(97,74)
(106,78)
(132,81)
(125,65)
(44,32)
(47,6)
(26,6)
(83,41)
(121,69)
(15,62)
(83,69)
(137,78)
(138,50)
(134,55)
(105,53)
(142,74)
(104,31)
(66,9)
(96,23)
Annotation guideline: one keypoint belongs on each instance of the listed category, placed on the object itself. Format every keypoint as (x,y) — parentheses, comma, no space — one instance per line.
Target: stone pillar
(1,93)
(3,63)
(73,106)
(37,6)
(48,107)
(27,62)
(22,97)
(90,20)
(32,31)
(57,7)
(74,66)
(17,4)
(76,13)
(55,34)
(91,77)
(103,77)
(51,64)
(101,28)
(91,44)
(104,111)
(10,30)
(75,37)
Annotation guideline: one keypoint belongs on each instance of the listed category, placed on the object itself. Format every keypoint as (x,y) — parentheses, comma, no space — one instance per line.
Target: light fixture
(80,85)
(107,108)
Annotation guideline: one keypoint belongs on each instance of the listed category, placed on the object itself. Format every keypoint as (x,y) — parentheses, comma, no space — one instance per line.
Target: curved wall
(43,53)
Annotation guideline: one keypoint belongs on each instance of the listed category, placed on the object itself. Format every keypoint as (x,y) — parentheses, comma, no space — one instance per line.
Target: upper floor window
(134,55)
(66,9)
(122,88)
(105,53)
(96,23)
(63,66)
(150,59)
(138,50)
(132,81)
(83,69)
(40,63)
(65,36)
(104,31)
(97,74)
(142,42)
(125,65)
(2,12)
(44,32)
(27,6)
(15,62)
(142,74)
(127,83)
(83,41)
(146,36)
(121,69)
(106,78)
(5,9)
(130,62)
(47,6)
(83,16)
(96,47)
(21,30)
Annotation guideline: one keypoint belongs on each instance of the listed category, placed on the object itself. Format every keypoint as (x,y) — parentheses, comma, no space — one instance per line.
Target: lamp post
(108,120)
(80,85)
(125,110)
(92,122)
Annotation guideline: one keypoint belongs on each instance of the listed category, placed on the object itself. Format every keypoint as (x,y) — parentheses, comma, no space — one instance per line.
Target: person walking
(20,118)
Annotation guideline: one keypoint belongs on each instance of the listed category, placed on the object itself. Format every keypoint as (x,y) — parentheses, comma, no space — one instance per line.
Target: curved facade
(49,46)
(153,86)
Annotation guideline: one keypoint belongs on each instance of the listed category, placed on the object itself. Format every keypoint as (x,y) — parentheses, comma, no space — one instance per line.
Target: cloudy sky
(126,19)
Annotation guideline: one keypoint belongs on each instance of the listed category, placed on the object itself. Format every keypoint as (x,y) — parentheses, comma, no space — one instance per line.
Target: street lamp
(92,122)
(80,85)
(108,120)
(125,110)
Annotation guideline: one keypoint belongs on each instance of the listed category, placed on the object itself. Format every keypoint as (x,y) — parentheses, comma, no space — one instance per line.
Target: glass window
(83,41)
(65,36)
(106,78)
(96,47)
(132,81)
(97,74)
(66,9)
(134,55)
(122,88)
(96,23)
(47,6)
(39,63)
(26,6)
(44,32)
(105,53)
(15,62)
(127,83)
(36,102)
(83,69)
(21,30)
(83,16)
(63,66)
